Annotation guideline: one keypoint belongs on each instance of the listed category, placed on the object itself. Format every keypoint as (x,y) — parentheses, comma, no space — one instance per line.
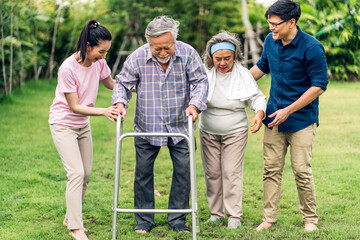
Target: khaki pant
(223,164)
(74,146)
(275,148)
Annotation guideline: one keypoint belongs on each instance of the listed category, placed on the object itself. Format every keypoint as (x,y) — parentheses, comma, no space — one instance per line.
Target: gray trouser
(144,181)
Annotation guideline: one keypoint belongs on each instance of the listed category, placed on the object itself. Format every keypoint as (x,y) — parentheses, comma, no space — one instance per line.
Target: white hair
(161,25)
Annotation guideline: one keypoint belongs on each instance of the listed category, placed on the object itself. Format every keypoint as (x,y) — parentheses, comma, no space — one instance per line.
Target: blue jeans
(144,182)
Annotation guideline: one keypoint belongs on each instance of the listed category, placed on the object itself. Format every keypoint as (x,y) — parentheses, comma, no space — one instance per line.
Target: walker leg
(116,176)
(194,208)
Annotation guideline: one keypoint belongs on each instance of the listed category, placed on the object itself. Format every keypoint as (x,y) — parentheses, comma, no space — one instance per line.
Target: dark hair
(285,9)
(92,33)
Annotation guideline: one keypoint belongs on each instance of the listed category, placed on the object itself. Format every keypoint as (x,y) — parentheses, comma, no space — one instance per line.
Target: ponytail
(92,33)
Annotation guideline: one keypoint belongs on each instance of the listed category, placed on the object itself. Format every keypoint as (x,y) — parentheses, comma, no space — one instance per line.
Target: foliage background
(34,25)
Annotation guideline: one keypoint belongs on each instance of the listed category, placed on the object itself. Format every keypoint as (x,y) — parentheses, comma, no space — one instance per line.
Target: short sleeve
(105,70)
(66,81)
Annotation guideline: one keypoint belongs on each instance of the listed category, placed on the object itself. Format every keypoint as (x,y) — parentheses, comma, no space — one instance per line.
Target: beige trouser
(74,146)
(275,147)
(223,163)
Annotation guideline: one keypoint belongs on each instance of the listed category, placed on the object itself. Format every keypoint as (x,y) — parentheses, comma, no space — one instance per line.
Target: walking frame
(191,143)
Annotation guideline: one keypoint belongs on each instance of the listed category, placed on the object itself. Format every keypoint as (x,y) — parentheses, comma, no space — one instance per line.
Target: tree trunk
(2,51)
(21,55)
(49,72)
(118,58)
(259,31)
(202,27)
(35,52)
(246,52)
(71,47)
(249,33)
(11,45)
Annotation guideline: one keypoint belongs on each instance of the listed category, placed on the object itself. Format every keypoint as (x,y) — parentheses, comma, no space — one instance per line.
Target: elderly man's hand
(120,107)
(192,110)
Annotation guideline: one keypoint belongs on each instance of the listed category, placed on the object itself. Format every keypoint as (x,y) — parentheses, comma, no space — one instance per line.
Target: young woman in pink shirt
(75,96)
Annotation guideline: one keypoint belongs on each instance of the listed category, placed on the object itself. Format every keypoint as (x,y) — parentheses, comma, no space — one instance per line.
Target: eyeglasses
(274,25)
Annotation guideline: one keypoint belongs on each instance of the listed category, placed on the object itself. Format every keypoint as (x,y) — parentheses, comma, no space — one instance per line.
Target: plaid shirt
(162,97)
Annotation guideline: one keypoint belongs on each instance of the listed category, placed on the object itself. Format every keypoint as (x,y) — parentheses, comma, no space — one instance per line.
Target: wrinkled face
(280,29)
(162,47)
(223,60)
(98,52)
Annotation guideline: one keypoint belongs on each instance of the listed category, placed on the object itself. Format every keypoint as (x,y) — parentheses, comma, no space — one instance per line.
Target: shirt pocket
(294,69)
(179,81)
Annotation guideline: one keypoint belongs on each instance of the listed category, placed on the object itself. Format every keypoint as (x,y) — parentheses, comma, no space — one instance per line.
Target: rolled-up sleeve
(198,82)
(316,66)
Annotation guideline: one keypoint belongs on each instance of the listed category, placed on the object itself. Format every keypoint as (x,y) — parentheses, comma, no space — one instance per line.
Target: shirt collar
(148,52)
(296,39)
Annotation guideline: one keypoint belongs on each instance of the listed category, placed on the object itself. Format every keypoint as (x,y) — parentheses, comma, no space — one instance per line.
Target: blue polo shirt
(294,68)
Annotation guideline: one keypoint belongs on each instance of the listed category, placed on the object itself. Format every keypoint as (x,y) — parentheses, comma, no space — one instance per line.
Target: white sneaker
(213,219)
(232,223)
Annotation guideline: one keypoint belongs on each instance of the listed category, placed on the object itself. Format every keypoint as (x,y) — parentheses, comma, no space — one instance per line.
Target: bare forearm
(256,72)
(89,111)
(110,113)
(109,83)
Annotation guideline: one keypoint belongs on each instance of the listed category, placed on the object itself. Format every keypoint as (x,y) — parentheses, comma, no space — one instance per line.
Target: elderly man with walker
(171,84)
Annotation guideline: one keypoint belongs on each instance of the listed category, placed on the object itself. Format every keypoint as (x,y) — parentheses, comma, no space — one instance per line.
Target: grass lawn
(32,178)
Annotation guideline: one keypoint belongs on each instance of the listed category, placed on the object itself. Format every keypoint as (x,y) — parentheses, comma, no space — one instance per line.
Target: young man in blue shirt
(298,68)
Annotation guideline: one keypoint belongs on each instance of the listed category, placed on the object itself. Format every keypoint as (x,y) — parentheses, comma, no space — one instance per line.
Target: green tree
(28,29)
(3,49)
(199,20)
(336,24)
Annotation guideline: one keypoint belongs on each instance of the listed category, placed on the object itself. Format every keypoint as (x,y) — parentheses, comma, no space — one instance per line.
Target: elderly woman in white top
(224,126)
